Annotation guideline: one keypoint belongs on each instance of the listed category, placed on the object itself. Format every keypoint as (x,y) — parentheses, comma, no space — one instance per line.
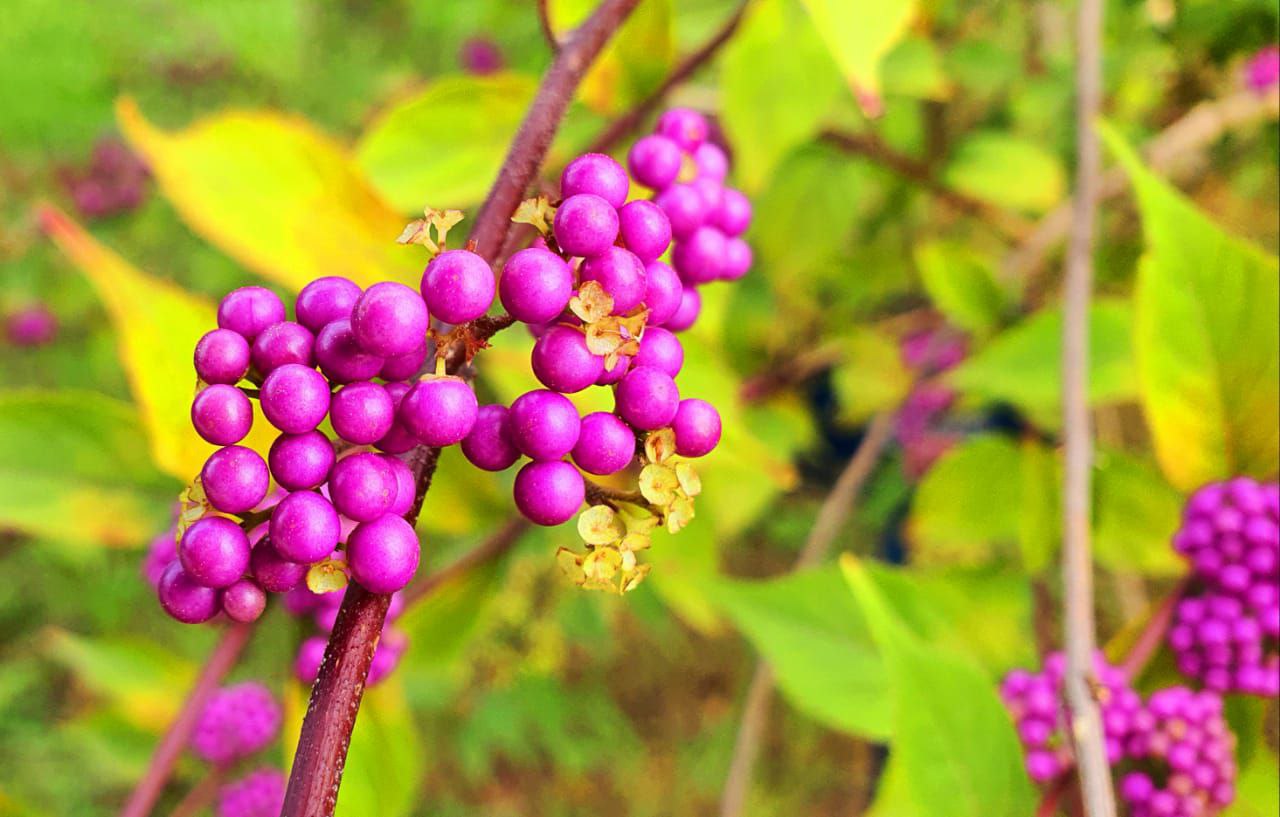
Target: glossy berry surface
(249,310)
(549,493)
(185,599)
(340,355)
(362,412)
(684,126)
(663,291)
(406,366)
(661,349)
(620,273)
(698,258)
(489,445)
(405,485)
(439,410)
(383,554)
(686,315)
(281,343)
(585,225)
(273,572)
(544,425)
(654,161)
(605,445)
(325,300)
(733,215)
(562,361)
(304,527)
(647,398)
(697,428)
(536,285)
(222,356)
(244,601)
(221,414)
(389,319)
(214,552)
(235,479)
(301,461)
(295,398)
(645,229)
(685,208)
(597,174)
(458,286)
(362,487)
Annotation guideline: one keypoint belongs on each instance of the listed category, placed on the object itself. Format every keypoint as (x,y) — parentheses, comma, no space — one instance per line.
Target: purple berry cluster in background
(238,722)
(322,609)
(113,181)
(481,56)
(258,794)
(30,326)
(1262,71)
(918,428)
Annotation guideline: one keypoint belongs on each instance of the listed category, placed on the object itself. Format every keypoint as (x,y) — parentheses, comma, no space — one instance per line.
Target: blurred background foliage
(909,161)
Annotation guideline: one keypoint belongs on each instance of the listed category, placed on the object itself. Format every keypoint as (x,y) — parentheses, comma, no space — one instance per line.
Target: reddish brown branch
(544,23)
(175,741)
(202,794)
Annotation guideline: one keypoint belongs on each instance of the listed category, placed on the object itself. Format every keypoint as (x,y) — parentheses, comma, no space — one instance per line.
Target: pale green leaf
(914,68)
(870,376)
(962,285)
(1136,514)
(860,34)
(1007,170)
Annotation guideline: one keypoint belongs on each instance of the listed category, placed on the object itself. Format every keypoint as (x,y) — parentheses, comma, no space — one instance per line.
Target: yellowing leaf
(157,326)
(860,34)
(275,194)
(633,63)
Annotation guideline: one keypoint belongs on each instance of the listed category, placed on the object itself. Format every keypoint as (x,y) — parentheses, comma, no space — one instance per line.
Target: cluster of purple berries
(322,609)
(1226,630)
(258,794)
(238,722)
(114,181)
(918,430)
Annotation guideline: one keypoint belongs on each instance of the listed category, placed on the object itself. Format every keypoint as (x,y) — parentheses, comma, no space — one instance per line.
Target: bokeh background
(907,171)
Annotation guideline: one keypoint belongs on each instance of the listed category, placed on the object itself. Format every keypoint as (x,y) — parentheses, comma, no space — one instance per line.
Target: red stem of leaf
(1152,636)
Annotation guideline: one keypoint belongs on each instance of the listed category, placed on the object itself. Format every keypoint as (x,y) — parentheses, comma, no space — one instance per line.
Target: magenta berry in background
(30,326)
(1262,71)
(214,552)
(597,174)
(562,362)
(257,794)
(698,258)
(249,310)
(389,319)
(458,286)
(161,551)
(325,300)
(605,445)
(221,414)
(711,162)
(733,215)
(383,554)
(687,313)
(685,208)
(663,290)
(281,343)
(184,599)
(712,193)
(620,273)
(536,285)
(736,261)
(304,527)
(439,410)
(661,349)
(585,225)
(362,412)
(340,355)
(362,487)
(685,127)
(238,721)
(489,445)
(244,601)
(235,479)
(654,161)
(697,428)
(310,656)
(295,398)
(480,56)
(647,398)
(222,356)
(544,425)
(549,493)
(301,461)
(645,229)
(272,571)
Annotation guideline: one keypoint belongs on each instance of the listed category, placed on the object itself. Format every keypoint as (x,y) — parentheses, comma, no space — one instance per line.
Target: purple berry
(458,286)
(647,398)
(222,414)
(598,174)
(733,215)
(249,310)
(214,552)
(272,571)
(711,162)
(235,479)
(281,343)
(685,207)
(405,486)
(301,461)
(612,375)
(620,274)
(362,413)
(184,599)
(403,367)
(655,161)
(736,261)
(244,601)
(30,326)
(562,361)
(489,446)
(645,229)
(606,444)
(544,425)
(549,493)
(697,428)
(310,656)
(389,319)
(698,257)
(295,398)
(712,193)
(398,440)
(684,126)
(257,794)
(222,356)
(687,314)
(585,225)
(340,355)
(661,349)
(663,289)
(305,526)
(439,410)
(536,285)
(326,300)
(480,56)
(362,487)
(383,554)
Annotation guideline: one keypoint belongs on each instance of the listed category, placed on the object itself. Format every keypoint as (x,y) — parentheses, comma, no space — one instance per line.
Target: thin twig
(1152,635)
(219,663)
(202,794)
(544,22)
(1079,628)
(499,543)
(628,122)
(835,511)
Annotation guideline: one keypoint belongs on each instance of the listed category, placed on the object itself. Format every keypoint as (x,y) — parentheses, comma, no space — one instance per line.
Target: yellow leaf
(275,194)
(859,35)
(157,325)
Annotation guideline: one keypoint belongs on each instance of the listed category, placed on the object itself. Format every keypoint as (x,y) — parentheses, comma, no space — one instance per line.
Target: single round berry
(383,554)
(711,162)
(661,349)
(160,552)
(684,126)
(663,289)
(585,225)
(249,310)
(281,343)
(398,440)
(458,286)
(698,257)
(214,552)
(736,261)
(439,410)
(562,361)
(305,526)
(549,493)
(222,356)
(654,161)
(362,486)
(403,367)
(697,428)
(685,207)
(598,174)
(606,444)
(536,285)
(620,274)
(647,398)
(295,398)
(325,300)
(733,216)
(544,425)
(489,445)
(301,461)
(272,571)
(645,229)
(222,414)
(235,479)
(340,355)
(687,314)
(362,413)
(310,656)
(183,598)
(712,193)
(244,601)
(386,656)
(612,375)
(405,485)
(389,319)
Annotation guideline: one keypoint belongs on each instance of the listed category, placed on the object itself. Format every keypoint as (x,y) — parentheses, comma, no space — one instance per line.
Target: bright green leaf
(962,285)
(870,376)
(1008,171)
(860,34)
(1136,514)
(914,68)
(1257,787)
(384,764)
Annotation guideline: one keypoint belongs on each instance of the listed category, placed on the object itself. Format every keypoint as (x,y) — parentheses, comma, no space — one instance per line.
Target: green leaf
(870,376)
(1206,339)
(384,764)
(74,467)
(859,34)
(277,195)
(962,285)
(942,706)
(1022,365)
(777,82)
(914,68)
(634,62)
(1257,787)
(1137,512)
(1007,170)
